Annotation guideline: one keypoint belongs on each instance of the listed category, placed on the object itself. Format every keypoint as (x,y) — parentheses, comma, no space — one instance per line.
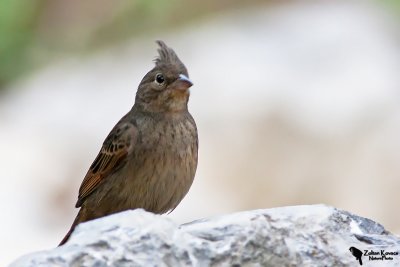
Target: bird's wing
(112,156)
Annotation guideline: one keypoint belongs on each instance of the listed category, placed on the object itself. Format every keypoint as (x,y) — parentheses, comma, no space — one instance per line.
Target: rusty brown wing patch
(118,144)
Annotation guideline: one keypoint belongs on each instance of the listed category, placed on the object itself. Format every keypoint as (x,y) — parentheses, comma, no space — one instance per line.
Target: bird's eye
(160,78)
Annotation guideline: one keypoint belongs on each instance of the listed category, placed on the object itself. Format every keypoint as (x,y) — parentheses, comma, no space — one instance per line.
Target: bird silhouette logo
(356,253)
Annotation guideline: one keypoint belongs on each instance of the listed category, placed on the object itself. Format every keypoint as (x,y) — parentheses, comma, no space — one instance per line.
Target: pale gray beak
(183,77)
(182,83)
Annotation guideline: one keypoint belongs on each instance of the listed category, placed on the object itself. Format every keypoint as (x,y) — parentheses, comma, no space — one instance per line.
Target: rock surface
(315,235)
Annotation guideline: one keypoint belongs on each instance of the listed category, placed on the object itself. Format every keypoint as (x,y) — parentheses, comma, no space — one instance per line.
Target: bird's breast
(163,164)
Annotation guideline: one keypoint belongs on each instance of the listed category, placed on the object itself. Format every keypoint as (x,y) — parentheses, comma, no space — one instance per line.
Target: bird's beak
(182,83)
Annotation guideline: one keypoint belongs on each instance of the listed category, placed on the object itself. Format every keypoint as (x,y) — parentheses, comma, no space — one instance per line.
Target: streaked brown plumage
(149,159)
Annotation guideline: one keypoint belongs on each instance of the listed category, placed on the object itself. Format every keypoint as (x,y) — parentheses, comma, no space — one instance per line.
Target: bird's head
(166,87)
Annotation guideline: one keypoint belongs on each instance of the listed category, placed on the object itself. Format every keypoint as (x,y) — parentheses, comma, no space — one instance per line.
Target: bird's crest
(166,55)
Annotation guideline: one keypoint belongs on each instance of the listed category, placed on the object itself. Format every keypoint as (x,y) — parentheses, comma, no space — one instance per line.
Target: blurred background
(296,102)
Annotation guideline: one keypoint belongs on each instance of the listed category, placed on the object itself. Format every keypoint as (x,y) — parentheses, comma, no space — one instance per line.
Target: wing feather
(111,157)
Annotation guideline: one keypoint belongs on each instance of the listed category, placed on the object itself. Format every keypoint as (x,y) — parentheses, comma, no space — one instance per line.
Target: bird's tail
(74,224)
(359,259)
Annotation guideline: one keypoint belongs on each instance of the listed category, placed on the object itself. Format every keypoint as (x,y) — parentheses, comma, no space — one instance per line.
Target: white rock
(291,236)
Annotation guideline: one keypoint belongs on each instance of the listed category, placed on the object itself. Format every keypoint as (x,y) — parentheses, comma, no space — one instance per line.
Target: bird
(357,254)
(149,159)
